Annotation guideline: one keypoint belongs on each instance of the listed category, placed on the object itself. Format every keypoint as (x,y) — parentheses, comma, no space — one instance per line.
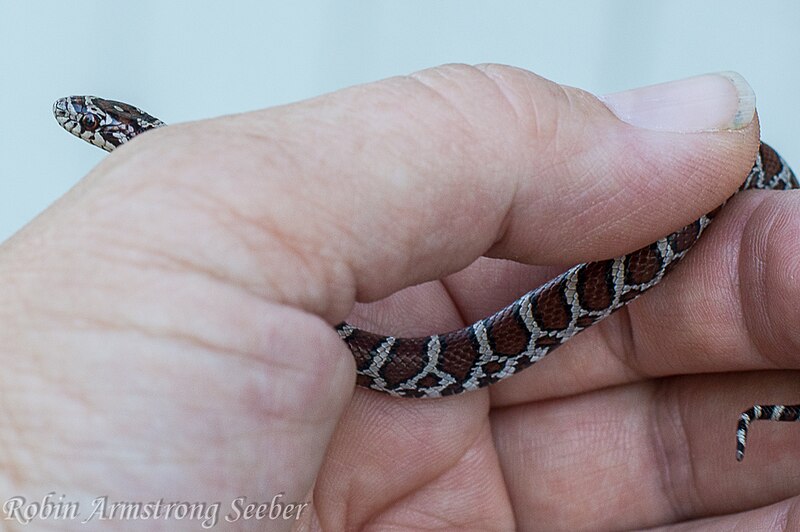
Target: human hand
(167,324)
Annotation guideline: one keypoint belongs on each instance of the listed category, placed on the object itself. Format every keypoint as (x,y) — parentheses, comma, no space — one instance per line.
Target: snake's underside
(513,338)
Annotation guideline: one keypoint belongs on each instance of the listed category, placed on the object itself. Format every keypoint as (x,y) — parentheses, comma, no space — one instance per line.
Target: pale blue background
(184,60)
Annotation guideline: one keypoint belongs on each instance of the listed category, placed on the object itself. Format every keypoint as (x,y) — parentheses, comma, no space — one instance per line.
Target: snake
(513,338)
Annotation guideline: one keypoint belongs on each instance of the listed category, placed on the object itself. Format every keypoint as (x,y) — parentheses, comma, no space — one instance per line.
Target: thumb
(425,173)
(362,192)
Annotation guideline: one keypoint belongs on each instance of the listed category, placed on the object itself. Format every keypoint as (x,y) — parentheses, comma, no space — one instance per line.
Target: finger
(647,454)
(756,519)
(362,192)
(735,303)
(730,305)
(389,453)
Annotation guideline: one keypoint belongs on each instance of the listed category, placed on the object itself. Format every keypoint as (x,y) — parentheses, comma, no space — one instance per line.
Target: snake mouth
(61,111)
(68,112)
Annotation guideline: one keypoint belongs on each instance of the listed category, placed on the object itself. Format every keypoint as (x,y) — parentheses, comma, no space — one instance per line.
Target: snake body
(513,338)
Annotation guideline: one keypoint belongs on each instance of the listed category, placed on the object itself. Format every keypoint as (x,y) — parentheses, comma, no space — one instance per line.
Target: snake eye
(89,122)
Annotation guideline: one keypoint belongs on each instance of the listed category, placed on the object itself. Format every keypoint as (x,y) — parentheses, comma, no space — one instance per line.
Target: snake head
(104,123)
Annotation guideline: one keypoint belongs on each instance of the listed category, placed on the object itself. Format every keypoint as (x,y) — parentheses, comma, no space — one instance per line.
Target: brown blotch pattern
(551,310)
(406,359)
(508,334)
(596,285)
(683,239)
(770,161)
(642,265)
(462,354)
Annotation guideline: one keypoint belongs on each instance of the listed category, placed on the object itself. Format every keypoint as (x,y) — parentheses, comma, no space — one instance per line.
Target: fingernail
(711,102)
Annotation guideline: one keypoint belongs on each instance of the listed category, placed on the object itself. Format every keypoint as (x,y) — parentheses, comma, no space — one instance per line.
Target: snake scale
(513,338)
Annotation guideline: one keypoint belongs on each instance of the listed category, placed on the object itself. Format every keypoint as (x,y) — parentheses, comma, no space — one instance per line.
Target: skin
(165,327)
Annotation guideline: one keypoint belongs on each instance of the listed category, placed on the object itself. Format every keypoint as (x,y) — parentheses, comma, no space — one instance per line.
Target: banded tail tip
(741,433)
